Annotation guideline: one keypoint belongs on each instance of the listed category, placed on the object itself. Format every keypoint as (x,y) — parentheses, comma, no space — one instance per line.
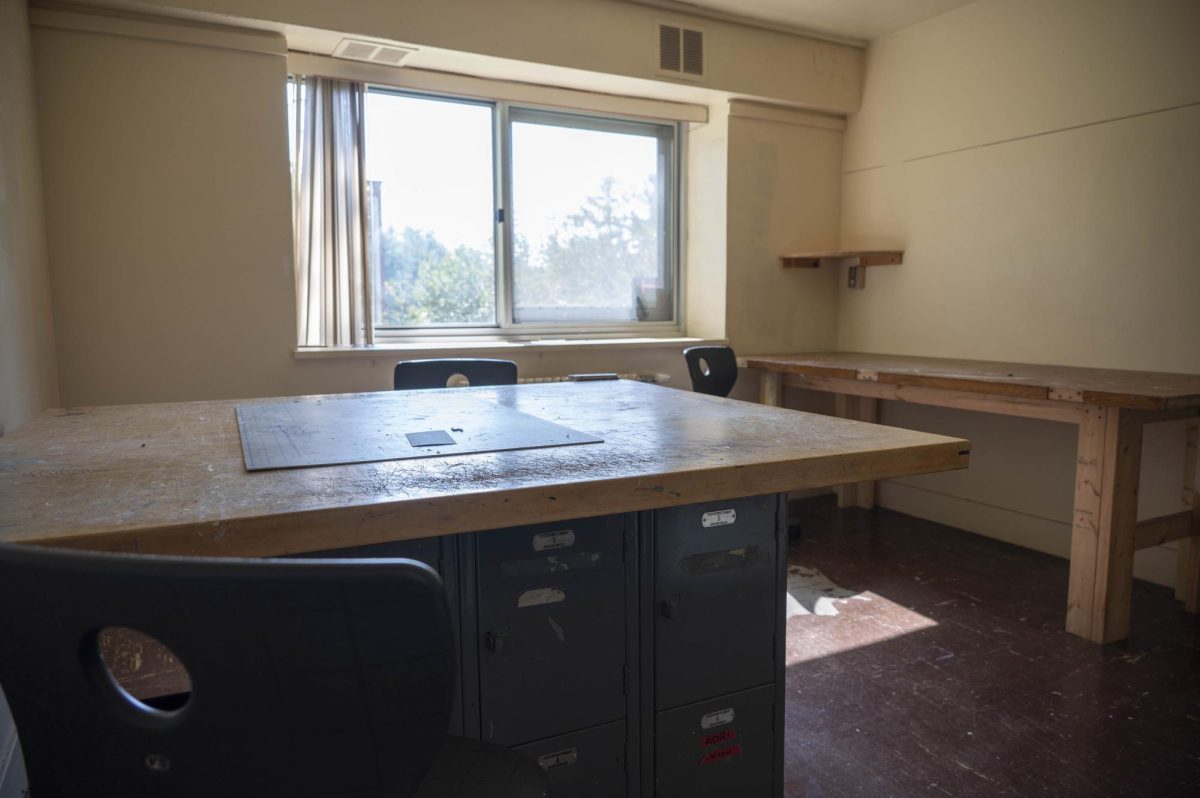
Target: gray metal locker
(552,615)
(716,601)
(722,747)
(586,764)
(439,553)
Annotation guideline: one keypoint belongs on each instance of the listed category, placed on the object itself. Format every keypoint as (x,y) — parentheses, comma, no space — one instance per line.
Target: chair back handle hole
(141,672)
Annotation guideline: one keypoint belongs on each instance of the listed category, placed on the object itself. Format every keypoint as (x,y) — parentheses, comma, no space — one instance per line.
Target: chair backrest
(309,677)
(415,374)
(713,369)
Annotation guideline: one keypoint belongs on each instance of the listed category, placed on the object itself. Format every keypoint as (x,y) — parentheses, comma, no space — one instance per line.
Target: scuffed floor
(930,661)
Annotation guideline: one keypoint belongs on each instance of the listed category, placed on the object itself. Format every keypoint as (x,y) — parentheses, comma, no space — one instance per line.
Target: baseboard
(1046,535)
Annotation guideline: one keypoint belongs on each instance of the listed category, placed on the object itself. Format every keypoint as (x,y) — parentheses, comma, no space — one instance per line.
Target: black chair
(420,374)
(308,678)
(713,369)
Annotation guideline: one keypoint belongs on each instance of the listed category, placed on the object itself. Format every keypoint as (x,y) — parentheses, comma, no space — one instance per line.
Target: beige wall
(168,202)
(604,36)
(28,372)
(168,212)
(762,180)
(707,187)
(168,207)
(1038,161)
(784,189)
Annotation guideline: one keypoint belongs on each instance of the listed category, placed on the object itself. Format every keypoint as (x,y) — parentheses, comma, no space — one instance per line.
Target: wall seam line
(1052,132)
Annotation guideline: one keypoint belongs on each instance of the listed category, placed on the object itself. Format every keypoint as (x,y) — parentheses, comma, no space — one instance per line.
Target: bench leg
(868,410)
(1187,583)
(860,408)
(771,389)
(1102,543)
(1187,587)
(846,406)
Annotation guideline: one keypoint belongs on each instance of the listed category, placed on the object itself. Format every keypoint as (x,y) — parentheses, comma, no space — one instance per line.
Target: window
(430,211)
(489,217)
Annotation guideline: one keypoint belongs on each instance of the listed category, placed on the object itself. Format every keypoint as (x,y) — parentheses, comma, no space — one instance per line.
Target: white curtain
(332,289)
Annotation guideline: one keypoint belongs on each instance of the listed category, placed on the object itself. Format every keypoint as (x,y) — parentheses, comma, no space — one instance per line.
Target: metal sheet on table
(314,431)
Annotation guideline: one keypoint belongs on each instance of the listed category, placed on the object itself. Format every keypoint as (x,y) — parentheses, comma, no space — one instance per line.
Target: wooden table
(169,478)
(1109,406)
(598,589)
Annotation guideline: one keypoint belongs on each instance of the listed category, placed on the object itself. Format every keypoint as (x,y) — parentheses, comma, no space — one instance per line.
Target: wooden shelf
(811,260)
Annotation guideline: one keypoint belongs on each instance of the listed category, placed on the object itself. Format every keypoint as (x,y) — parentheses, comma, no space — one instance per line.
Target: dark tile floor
(949,673)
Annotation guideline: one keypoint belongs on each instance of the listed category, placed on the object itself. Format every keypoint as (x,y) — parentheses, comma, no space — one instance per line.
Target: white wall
(28,372)
(1038,161)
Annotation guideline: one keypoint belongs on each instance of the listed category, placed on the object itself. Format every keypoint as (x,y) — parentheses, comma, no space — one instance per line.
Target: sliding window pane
(431,206)
(592,230)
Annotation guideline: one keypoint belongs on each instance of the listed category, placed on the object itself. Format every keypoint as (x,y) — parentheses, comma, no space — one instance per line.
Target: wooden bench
(1110,408)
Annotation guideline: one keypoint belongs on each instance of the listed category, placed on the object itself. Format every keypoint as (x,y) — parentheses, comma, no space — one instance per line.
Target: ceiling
(856,19)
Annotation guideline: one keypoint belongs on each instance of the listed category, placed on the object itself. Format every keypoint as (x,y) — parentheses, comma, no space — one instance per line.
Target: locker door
(586,764)
(551,628)
(715,599)
(720,747)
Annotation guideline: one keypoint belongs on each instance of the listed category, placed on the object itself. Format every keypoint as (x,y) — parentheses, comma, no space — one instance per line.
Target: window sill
(453,348)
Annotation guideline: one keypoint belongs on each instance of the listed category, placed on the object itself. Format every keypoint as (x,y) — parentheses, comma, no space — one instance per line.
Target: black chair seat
(467,768)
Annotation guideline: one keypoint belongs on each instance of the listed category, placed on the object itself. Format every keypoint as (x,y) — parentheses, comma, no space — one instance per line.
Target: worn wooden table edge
(471,511)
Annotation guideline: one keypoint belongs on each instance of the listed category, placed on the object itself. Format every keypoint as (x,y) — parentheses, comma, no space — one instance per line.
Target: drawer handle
(559,758)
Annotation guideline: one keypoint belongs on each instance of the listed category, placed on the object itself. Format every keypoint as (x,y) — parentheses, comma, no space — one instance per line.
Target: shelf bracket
(857,261)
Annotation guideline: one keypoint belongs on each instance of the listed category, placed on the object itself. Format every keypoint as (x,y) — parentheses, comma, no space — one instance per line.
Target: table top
(1145,390)
(169,478)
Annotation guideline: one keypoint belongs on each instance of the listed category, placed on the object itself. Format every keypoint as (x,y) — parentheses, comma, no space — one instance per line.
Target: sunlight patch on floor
(811,592)
(813,603)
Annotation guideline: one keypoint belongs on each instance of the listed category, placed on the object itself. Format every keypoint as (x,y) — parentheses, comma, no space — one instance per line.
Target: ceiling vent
(376,53)
(680,51)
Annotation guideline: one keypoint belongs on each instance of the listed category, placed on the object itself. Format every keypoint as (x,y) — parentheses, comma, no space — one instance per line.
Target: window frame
(505,328)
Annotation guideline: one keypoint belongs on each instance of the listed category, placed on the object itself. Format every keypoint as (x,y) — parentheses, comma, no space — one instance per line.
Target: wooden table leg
(1187,583)
(860,408)
(771,389)
(846,406)
(1102,542)
(868,410)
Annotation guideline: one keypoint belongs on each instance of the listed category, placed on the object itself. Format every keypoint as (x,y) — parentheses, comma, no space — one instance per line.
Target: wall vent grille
(670,48)
(693,52)
(376,53)
(680,51)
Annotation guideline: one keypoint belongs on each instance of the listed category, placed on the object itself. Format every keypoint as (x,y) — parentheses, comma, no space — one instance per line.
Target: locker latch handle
(494,642)
(559,758)
(667,607)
